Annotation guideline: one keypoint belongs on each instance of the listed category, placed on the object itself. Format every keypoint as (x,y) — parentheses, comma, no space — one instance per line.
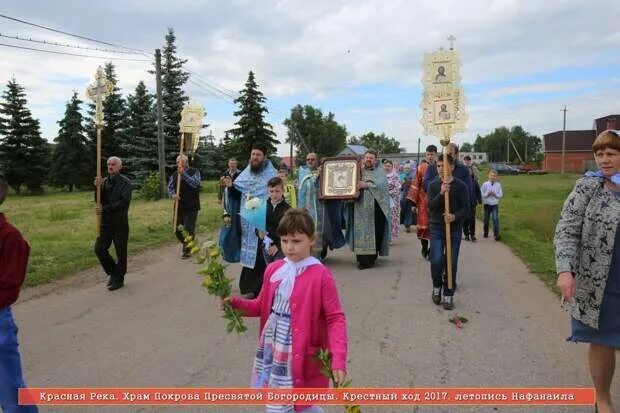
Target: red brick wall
(573,161)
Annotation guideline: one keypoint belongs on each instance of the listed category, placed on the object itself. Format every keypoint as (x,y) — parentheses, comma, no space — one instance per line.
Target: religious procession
(359,272)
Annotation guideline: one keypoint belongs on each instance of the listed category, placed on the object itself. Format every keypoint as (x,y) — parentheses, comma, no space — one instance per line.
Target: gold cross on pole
(451,39)
(97,92)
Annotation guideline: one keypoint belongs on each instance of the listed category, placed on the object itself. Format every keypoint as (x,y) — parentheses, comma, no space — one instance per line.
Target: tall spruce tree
(114,131)
(251,127)
(140,149)
(70,163)
(24,154)
(206,158)
(173,98)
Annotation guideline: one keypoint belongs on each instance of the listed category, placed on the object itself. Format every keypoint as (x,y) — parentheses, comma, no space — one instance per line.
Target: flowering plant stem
(325,358)
(214,278)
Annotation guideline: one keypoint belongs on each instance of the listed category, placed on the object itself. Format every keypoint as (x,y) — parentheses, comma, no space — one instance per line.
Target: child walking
(276,207)
(491,194)
(300,313)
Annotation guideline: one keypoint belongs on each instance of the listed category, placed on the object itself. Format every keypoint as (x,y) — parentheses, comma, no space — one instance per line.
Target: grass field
(529,213)
(61,228)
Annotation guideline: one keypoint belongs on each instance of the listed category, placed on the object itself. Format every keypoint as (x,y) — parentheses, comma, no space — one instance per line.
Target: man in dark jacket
(459,208)
(14,251)
(115,200)
(469,226)
(188,197)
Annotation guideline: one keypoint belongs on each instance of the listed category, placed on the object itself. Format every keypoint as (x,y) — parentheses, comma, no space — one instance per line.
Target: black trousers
(251,279)
(380,223)
(117,234)
(469,225)
(188,220)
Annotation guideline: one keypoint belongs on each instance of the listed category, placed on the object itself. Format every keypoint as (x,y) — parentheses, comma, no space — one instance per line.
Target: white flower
(252,203)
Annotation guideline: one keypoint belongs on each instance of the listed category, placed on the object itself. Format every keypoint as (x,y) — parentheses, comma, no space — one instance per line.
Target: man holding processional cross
(448,197)
(184,185)
(113,196)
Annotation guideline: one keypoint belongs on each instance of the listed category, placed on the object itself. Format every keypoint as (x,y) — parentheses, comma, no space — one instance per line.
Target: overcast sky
(521,60)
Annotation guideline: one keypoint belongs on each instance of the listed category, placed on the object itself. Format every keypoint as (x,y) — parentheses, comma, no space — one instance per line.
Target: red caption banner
(340,397)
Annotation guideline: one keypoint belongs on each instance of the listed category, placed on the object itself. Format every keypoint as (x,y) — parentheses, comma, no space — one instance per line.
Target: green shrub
(150,189)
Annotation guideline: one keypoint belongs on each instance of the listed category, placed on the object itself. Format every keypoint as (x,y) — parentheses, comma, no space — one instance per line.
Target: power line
(215,90)
(50,43)
(74,54)
(219,89)
(70,34)
(209,91)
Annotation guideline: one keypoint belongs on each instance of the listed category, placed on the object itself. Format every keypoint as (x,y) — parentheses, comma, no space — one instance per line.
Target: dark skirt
(608,333)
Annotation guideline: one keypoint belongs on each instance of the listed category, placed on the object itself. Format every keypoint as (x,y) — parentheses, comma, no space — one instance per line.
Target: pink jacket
(317,321)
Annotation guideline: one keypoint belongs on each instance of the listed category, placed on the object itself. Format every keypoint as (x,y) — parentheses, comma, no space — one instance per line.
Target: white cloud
(324,50)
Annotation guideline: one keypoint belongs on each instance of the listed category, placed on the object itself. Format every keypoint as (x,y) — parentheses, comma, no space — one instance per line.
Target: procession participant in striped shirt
(300,313)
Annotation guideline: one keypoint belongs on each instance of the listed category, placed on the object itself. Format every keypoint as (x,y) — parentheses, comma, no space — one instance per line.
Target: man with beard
(327,215)
(368,229)
(251,183)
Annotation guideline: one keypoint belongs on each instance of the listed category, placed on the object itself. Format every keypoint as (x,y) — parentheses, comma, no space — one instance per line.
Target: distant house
(353,150)
(476,157)
(286,160)
(402,158)
(577,146)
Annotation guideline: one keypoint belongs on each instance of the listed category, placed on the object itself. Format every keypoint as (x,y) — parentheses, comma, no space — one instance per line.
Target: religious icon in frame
(443,111)
(339,178)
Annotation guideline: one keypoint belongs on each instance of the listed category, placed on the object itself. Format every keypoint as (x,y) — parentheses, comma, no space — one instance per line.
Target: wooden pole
(98,193)
(161,151)
(176,202)
(446,176)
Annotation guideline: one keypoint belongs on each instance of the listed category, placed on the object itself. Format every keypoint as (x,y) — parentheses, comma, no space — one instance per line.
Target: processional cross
(97,92)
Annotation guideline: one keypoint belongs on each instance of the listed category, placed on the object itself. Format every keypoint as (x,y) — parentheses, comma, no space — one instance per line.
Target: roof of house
(576,140)
(357,149)
(600,124)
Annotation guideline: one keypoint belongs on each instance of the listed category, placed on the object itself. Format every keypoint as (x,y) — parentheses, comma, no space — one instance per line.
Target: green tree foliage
(381,143)
(173,99)
(495,144)
(467,147)
(311,131)
(24,154)
(207,159)
(251,127)
(114,130)
(140,149)
(70,164)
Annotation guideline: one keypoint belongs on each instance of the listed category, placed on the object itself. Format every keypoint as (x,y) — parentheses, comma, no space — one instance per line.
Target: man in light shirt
(491,194)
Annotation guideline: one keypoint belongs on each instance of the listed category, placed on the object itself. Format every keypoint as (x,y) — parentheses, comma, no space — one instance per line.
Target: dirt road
(162,330)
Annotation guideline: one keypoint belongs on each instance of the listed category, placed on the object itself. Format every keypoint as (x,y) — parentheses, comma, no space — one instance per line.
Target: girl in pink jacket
(300,313)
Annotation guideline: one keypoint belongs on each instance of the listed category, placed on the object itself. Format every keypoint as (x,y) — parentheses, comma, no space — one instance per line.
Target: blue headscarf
(599,174)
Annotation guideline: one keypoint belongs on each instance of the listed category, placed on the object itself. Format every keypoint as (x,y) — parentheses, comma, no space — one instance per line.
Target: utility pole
(292,171)
(507,151)
(160,127)
(418,163)
(563,139)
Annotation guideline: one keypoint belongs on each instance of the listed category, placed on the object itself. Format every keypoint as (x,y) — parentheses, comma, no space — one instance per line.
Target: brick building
(578,146)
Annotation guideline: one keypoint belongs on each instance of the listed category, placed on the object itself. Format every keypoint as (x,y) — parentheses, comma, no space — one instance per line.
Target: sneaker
(436,296)
(448,302)
(466,237)
(473,238)
(498,238)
